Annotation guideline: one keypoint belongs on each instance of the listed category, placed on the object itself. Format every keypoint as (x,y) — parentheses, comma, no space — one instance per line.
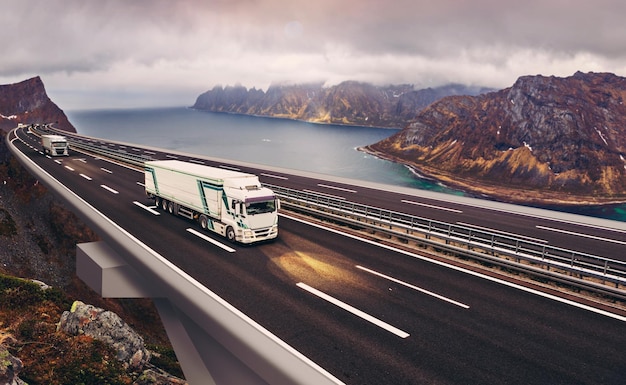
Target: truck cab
(255,209)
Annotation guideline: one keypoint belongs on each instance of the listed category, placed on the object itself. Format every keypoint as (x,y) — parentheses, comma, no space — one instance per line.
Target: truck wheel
(204,222)
(164,205)
(157,201)
(170,207)
(230,234)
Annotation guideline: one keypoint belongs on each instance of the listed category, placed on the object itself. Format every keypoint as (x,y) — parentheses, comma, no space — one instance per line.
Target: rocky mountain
(545,139)
(38,238)
(350,102)
(26,102)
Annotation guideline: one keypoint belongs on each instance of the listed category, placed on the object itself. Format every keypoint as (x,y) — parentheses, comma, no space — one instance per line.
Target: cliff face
(350,103)
(27,102)
(561,139)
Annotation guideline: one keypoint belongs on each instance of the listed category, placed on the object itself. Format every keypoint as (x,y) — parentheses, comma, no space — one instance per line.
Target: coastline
(286,117)
(480,189)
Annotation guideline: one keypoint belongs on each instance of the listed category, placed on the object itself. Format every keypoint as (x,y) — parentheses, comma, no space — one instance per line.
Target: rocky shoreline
(479,189)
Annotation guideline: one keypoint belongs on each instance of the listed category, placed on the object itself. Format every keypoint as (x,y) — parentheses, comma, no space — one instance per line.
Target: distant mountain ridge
(349,103)
(26,102)
(545,139)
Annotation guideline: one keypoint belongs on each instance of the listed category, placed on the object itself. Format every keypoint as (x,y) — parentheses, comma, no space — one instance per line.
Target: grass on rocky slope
(30,315)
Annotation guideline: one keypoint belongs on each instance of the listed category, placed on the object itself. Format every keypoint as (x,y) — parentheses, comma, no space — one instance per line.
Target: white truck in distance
(54,145)
(230,203)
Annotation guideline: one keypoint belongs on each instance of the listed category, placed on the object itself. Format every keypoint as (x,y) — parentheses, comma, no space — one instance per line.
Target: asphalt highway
(371,314)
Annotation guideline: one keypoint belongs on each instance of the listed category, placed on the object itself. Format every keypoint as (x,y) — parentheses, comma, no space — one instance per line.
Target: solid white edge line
(470,272)
(353,310)
(427,292)
(211,240)
(148,209)
(109,189)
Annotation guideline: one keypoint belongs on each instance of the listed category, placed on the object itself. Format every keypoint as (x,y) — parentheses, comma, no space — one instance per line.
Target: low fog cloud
(142,53)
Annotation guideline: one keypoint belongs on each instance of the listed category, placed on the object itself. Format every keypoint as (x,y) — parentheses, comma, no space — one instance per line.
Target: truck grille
(262,233)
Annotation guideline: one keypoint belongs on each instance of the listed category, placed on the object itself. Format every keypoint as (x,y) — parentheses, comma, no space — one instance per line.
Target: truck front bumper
(257,235)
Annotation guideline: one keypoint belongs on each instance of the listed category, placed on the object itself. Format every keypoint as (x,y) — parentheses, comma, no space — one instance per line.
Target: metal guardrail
(205,324)
(120,155)
(493,245)
(94,147)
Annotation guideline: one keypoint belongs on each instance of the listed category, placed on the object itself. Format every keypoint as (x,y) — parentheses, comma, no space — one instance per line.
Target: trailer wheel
(164,205)
(230,234)
(204,222)
(170,207)
(157,201)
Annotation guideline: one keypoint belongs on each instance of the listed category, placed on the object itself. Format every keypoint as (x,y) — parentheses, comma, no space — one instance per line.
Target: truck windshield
(58,144)
(260,207)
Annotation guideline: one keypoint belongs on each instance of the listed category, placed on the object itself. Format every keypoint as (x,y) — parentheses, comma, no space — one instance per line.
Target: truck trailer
(230,203)
(54,145)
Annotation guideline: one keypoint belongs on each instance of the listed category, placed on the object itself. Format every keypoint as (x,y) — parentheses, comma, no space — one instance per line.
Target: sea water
(320,148)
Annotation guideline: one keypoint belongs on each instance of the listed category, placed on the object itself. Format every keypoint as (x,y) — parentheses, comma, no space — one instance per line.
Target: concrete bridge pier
(202,359)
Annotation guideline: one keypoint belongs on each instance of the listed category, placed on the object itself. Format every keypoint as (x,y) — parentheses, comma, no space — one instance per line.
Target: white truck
(230,203)
(54,145)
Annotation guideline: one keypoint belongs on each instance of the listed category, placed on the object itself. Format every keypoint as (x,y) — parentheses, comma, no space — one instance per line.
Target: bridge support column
(200,355)
(203,360)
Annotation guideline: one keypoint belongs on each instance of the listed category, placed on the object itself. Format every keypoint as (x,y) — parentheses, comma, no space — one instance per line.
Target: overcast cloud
(102,54)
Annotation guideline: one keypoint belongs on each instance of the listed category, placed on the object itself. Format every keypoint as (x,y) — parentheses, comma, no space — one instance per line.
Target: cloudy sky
(150,53)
